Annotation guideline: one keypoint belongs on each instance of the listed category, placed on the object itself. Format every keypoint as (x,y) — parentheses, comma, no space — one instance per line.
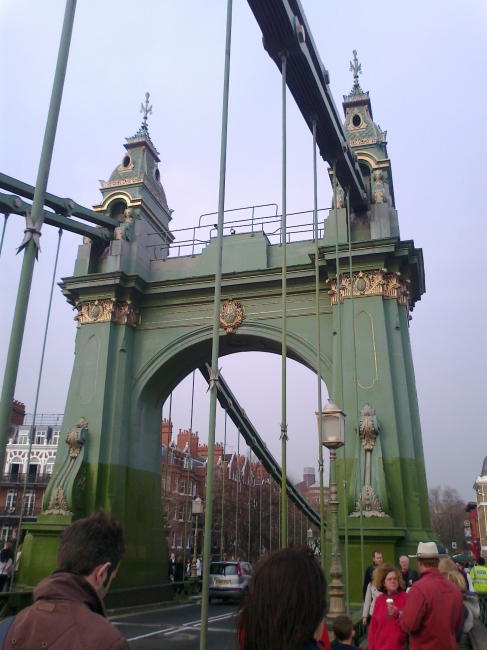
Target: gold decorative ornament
(58,502)
(106,311)
(231,315)
(372,283)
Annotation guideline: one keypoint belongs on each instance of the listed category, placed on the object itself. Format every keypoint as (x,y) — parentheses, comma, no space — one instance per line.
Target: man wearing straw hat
(434,608)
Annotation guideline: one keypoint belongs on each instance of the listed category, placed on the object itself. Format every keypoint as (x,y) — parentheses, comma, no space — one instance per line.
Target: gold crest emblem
(231,315)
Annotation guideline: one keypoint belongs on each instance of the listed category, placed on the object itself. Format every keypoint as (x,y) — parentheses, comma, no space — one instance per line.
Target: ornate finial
(146,110)
(356,68)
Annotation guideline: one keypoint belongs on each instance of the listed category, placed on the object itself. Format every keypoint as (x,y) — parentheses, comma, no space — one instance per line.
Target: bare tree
(447,511)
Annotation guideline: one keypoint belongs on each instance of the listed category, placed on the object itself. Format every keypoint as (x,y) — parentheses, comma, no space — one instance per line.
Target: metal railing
(51,419)
(14,511)
(195,239)
(15,478)
(483,608)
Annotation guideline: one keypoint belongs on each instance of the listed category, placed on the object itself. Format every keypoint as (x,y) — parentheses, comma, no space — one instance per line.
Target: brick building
(43,453)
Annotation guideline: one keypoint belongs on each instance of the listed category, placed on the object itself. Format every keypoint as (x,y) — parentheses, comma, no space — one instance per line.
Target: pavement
(177,627)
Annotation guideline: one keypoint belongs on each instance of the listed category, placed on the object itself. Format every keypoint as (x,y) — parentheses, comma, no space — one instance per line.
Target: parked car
(229,580)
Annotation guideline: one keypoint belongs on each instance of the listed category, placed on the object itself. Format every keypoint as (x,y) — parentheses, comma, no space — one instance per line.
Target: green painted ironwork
(31,250)
(284,313)
(36,402)
(215,341)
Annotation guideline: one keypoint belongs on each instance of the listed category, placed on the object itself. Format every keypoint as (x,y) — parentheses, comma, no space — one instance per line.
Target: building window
(50,466)
(23,439)
(182,487)
(181,513)
(6,532)
(180,540)
(175,514)
(40,437)
(55,437)
(168,483)
(29,502)
(10,500)
(173,540)
(176,480)
(189,540)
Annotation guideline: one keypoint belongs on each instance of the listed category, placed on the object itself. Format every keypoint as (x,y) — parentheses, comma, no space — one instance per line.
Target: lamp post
(333,436)
(309,536)
(197,509)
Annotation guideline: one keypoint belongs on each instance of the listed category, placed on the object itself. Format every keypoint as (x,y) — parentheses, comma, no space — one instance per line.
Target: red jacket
(433,612)
(385,632)
(67,614)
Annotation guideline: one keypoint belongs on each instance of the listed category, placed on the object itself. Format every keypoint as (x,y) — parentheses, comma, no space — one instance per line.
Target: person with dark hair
(68,610)
(377,558)
(6,566)
(286,606)
(344,633)
(385,632)
(433,612)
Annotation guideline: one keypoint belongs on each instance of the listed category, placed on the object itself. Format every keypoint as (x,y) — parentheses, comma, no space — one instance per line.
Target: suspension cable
(355,377)
(283,542)
(223,482)
(39,378)
(5,219)
(185,543)
(318,350)
(215,340)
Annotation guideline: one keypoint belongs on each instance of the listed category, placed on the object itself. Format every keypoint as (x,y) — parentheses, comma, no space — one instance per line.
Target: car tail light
(239,570)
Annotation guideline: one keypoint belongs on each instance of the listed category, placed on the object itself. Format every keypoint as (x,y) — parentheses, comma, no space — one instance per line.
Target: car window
(220,569)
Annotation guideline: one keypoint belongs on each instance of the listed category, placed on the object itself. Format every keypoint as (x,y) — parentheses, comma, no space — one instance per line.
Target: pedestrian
(67,609)
(377,558)
(171,567)
(6,566)
(344,633)
(286,606)
(179,574)
(408,575)
(471,606)
(478,573)
(187,573)
(369,602)
(434,608)
(385,631)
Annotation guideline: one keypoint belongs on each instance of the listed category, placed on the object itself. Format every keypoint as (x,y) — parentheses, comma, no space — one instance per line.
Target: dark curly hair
(286,604)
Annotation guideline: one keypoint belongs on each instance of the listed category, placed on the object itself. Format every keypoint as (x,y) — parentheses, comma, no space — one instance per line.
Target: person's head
(446,564)
(173,556)
(388,579)
(428,556)
(287,602)
(481,561)
(93,548)
(180,559)
(343,629)
(404,563)
(457,578)
(377,557)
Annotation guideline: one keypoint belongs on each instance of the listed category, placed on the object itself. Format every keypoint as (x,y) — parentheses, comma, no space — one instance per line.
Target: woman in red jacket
(385,632)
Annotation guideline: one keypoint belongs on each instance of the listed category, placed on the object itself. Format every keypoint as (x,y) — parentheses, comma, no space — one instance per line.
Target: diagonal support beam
(64,207)
(11,204)
(238,416)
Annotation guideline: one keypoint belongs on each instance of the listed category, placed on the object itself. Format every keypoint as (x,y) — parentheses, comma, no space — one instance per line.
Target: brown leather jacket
(67,614)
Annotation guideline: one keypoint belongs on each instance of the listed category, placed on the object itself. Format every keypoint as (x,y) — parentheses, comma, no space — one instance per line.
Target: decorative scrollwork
(106,311)
(231,315)
(372,283)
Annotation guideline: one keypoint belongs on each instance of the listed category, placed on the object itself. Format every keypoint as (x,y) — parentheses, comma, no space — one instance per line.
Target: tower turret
(135,197)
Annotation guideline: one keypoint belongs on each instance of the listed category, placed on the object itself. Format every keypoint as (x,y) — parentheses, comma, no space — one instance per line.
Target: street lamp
(333,436)
(197,509)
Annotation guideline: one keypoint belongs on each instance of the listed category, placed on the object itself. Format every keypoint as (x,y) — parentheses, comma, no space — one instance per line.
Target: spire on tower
(356,68)
(146,110)
(356,94)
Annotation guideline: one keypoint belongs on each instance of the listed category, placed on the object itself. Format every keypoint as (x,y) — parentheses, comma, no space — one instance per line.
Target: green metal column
(30,254)
(215,341)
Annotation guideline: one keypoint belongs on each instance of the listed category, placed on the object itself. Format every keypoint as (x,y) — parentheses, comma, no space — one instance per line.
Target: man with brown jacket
(68,610)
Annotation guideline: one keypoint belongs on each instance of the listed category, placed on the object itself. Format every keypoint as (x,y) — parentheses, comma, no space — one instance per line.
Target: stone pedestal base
(39,550)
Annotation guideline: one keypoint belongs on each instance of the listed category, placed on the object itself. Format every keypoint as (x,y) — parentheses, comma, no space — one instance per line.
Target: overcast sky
(424,64)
